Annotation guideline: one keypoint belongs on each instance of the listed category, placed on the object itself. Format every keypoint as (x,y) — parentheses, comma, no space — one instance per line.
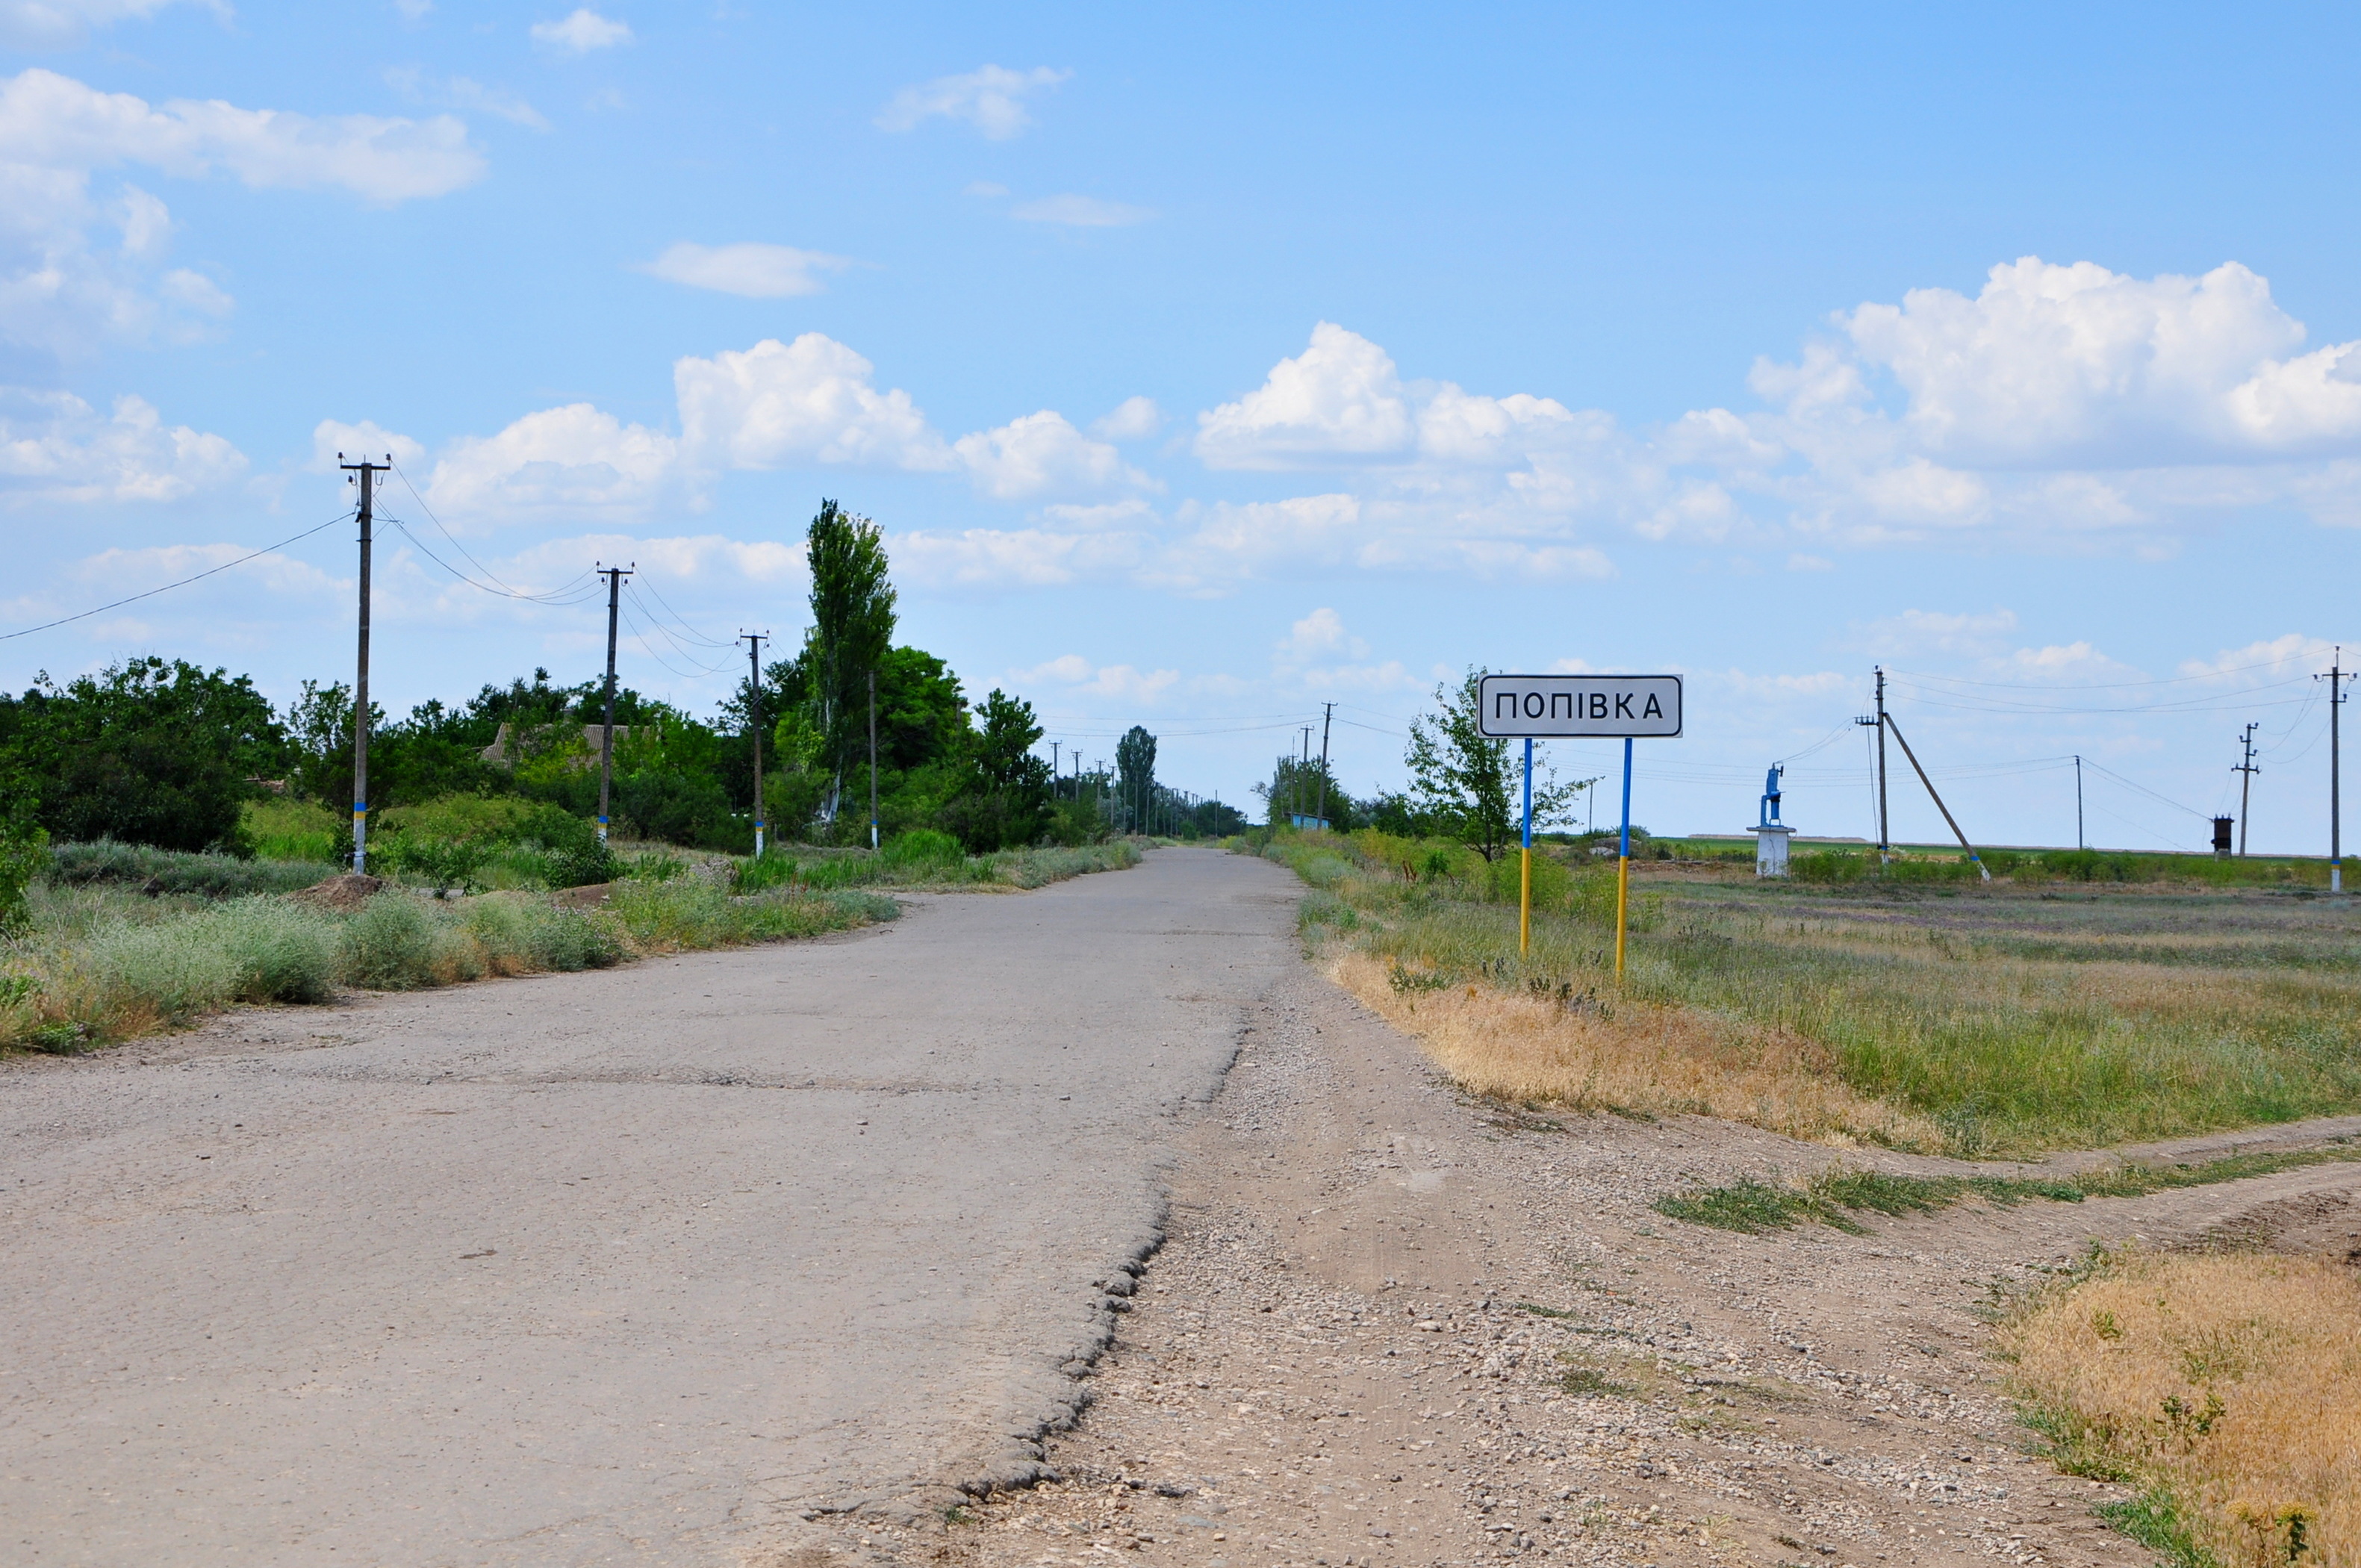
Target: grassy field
(2040,1011)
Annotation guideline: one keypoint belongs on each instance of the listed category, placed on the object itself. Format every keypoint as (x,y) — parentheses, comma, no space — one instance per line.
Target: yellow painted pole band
(1525,908)
(1622,892)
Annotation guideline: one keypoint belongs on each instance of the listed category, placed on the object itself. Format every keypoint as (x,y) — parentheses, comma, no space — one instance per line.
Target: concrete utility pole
(2078,803)
(368,472)
(1885,842)
(1328,712)
(2337,677)
(754,641)
(2245,787)
(614,575)
(872,759)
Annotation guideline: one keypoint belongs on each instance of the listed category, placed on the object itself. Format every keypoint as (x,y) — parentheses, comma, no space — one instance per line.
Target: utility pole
(872,759)
(1053,770)
(1885,842)
(2337,677)
(1328,713)
(368,472)
(2245,787)
(754,641)
(614,575)
(2078,803)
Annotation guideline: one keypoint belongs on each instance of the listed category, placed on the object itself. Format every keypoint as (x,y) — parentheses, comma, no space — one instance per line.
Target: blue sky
(1205,368)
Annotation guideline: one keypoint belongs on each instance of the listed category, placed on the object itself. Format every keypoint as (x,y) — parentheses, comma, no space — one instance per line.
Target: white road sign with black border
(1559,707)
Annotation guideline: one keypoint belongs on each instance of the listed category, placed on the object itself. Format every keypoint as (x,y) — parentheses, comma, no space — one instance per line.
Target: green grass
(1833,1197)
(2043,1012)
(2155,1520)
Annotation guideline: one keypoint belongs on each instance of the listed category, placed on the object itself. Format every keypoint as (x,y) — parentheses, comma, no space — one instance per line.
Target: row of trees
(1464,785)
(164,752)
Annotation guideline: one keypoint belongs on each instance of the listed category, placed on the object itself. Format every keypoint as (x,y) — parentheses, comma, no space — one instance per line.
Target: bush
(175,870)
(256,949)
(389,944)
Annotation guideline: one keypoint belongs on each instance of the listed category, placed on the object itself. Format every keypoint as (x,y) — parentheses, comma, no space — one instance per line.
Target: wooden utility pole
(368,472)
(1885,842)
(2337,677)
(2245,787)
(754,641)
(614,575)
(1327,713)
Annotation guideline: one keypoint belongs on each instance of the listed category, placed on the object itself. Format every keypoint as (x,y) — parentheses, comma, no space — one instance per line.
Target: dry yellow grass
(2233,1381)
(1632,1055)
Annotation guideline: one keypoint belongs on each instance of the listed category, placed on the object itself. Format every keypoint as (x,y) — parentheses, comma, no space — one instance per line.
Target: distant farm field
(1923,1010)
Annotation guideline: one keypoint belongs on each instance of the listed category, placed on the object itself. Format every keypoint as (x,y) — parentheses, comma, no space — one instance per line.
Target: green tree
(145,752)
(1466,783)
(852,627)
(1135,764)
(1006,803)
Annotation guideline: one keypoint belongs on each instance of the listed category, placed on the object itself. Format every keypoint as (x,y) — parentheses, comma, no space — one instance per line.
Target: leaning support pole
(1623,861)
(1981,870)
(1525,894)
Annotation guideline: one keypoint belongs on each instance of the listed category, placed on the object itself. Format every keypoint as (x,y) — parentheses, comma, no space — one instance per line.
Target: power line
(573,591)
(210,571)
(2095,686)
(678,619)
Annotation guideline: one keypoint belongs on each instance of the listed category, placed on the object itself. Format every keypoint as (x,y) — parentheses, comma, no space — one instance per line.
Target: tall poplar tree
(852,627)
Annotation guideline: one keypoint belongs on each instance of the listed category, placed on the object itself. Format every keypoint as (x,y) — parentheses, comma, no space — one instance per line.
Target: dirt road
(665,1265)
(1392,1326)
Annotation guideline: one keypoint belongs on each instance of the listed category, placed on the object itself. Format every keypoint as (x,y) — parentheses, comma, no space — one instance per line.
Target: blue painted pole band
(1529,792)
(1626,797)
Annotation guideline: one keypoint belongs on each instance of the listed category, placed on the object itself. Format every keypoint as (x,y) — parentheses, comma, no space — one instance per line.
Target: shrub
(390,944)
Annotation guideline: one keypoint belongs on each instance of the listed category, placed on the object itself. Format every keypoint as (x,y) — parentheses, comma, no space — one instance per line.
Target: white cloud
(749,269)
(1321,634)
(1015,558)
(62,288)
(1340,398)
(581,32)
(574,461)
(48,121)
(463,92)
(1080,211)
(2295,653)
(335,442)
(991,99)
(60,24)
(810,401)
(54,447)
(1133,418)
(1043,454)
(1081,677)
(987,188)
(1454,427)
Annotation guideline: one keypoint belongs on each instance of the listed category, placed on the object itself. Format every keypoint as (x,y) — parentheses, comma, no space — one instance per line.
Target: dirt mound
(587,897)
(342,893)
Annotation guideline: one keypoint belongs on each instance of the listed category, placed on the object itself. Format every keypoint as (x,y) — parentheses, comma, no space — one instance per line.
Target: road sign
(1557,707)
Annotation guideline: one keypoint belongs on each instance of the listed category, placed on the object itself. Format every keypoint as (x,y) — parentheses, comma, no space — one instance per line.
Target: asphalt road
(652,1266)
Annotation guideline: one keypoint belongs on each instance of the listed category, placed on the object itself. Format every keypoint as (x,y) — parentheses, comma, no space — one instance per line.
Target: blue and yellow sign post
(1586,708)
